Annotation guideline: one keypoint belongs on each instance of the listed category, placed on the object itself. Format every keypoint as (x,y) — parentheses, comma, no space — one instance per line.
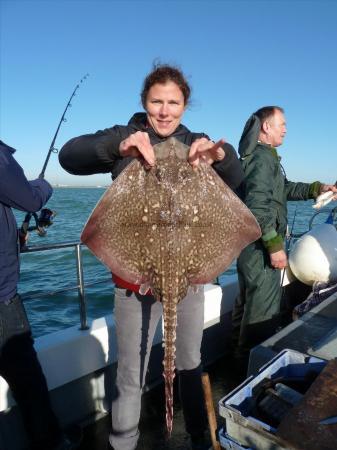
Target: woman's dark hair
(162,73)
(267,111)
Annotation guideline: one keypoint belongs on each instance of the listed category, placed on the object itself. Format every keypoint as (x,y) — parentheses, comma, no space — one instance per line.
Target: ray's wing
(114,231)
(222,227)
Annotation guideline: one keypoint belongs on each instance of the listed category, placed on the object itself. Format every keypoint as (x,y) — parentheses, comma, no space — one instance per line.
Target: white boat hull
(80,366)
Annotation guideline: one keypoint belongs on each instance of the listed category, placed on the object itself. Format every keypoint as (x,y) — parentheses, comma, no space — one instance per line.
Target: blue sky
(237,55)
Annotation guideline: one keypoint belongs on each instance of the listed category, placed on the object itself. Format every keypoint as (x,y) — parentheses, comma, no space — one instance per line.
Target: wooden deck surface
(152,424)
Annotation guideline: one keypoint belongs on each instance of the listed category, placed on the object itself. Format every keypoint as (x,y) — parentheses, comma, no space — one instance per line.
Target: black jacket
(19,193)
(99,152)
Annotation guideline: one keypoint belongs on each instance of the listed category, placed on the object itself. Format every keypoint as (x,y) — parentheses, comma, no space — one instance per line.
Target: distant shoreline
(66,186)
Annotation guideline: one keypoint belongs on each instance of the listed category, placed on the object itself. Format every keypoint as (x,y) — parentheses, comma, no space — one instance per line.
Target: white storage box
(228,443)
(235,407)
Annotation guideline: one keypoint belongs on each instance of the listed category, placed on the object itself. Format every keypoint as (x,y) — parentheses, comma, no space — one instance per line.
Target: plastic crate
(248,431)
(228,443)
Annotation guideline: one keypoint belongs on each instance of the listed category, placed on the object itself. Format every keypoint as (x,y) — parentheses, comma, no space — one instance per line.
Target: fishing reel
(43,221)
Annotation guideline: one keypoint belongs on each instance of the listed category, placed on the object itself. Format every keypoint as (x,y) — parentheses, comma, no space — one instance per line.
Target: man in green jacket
(256,314)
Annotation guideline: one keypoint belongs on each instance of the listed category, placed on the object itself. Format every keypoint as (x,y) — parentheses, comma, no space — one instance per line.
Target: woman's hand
(205,150)
(138,145)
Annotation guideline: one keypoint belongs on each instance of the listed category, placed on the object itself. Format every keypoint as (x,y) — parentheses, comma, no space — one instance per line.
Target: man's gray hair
(266,112)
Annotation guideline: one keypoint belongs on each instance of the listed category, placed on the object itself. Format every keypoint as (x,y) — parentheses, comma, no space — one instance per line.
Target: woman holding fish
(165,96)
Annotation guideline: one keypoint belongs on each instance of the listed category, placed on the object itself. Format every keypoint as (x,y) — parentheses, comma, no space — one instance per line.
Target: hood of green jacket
(250,136)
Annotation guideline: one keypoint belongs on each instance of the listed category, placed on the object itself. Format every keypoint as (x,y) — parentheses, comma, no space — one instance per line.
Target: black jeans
(192,401)
(20,367)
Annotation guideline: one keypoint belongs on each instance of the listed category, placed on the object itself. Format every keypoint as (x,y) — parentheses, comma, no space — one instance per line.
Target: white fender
(314,256)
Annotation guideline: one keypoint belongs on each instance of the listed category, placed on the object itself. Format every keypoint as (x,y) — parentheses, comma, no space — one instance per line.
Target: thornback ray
(168,228)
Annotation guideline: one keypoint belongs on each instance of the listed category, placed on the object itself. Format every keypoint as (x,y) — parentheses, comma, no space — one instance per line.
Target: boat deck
(152,424)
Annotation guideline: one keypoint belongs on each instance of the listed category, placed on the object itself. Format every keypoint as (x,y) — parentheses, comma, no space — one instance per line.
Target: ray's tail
(170,325)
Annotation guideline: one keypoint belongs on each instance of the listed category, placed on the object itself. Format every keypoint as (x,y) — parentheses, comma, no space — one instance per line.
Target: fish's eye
(159,174)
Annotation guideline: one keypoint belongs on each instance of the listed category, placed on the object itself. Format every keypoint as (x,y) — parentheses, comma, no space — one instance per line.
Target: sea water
(44,272)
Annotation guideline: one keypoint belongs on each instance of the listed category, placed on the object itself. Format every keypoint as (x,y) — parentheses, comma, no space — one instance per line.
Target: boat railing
(331,213)
(80,286)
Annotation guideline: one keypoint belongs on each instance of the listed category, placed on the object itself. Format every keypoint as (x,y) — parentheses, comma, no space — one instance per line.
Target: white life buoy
(314,256)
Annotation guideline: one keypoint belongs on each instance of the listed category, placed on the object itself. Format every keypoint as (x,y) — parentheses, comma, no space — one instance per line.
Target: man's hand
(23,239)
(278,260)
(329,187)
(205,150)
(138,145)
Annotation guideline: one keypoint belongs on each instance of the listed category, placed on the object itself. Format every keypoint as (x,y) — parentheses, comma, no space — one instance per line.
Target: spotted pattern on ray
(168,228)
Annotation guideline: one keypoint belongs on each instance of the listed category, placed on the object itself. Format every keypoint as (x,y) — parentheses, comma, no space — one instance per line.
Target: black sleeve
(92,153)
(230,169)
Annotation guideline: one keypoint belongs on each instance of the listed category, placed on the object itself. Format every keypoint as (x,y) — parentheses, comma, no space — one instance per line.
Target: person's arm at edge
(302,191)
(305,191)
(19,193)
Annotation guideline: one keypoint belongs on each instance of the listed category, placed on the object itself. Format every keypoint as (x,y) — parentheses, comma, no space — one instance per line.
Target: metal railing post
(80,290)
(80,280)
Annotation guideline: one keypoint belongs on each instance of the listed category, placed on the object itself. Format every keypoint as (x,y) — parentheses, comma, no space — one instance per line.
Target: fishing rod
(45,218)
(52,149)
(289,237)
(291,234)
